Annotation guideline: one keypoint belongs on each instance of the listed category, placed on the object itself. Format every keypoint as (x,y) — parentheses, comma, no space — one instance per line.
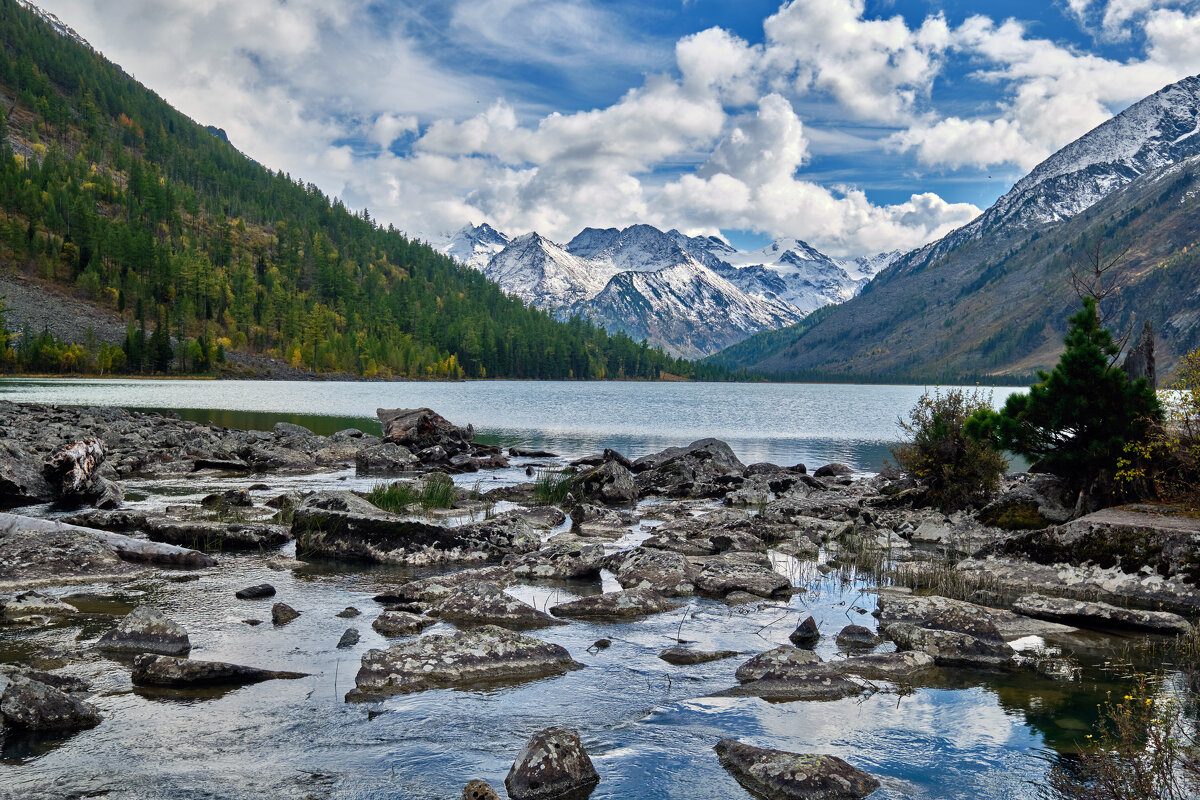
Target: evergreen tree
(1076,421)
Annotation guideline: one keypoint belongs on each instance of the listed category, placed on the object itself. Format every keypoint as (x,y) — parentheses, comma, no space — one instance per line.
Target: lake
(784,423)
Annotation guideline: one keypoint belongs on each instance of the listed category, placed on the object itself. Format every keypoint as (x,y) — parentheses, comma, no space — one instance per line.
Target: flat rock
(31,705)
(401,623)
(780,775)
(179,673)
(146,630)
(686,656)
(743,572)
(953,648)
(897,606)
(35,604)
(560,561)
(625,604)
(465,659)
(552,764)
(439,587)
(781,660)
(483,603)
(1100,615)
(643,568)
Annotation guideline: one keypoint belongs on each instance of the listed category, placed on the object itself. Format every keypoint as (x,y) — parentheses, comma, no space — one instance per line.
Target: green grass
(553,486)
(436,492)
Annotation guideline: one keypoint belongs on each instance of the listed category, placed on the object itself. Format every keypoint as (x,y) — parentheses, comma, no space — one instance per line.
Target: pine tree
(1076,421)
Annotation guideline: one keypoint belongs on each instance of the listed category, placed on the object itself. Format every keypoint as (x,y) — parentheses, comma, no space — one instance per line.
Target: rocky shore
(650,536)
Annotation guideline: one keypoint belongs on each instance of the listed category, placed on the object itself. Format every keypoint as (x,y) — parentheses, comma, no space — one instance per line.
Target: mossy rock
(1022,516)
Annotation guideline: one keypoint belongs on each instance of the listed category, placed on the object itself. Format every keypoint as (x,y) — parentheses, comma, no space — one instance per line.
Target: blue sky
(857,125)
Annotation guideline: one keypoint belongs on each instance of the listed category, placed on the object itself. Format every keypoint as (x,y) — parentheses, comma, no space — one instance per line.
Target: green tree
(1076,421)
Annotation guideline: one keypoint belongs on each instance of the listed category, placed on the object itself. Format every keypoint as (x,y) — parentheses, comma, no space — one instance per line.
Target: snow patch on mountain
(60,27)
(474,245)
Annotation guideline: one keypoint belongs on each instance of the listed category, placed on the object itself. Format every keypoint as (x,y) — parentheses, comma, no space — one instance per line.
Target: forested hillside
(107,189)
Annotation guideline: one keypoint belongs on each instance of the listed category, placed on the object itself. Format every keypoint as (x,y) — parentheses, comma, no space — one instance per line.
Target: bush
(955,469)
(1078,420)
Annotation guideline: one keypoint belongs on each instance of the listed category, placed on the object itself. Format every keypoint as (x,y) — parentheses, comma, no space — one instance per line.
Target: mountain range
(691,295)
(991,298)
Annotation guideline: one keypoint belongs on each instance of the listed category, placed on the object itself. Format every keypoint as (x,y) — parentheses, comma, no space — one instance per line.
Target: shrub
(955,469)
(1077,421)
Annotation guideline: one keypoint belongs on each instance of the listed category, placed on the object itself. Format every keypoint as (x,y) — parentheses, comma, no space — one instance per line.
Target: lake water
(649,727)
(784,423)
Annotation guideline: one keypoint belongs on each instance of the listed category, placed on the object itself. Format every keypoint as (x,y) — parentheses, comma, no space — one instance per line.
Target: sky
(858,126)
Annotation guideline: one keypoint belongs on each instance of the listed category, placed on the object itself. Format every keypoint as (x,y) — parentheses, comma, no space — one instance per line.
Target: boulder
(32,705)
(465,659)
(787,673)
(384,458)
(806,634)
(645,568)
(608,483)
(856,637)
(73,474)
(705,468)
(180,673)
(349,638)
(894,606)
(558,561)
(746,572)
(421,428)
(21,479)
(230,498)
(256,592)
(147,630)
(282,614)
(349,612)
(626,604)
(834,470)
(479,790)
(483,603)
(341,525)
(686,656)
(980,645)
(1100,615)
(782,660)
(393,624)
(553,764)
(780,775)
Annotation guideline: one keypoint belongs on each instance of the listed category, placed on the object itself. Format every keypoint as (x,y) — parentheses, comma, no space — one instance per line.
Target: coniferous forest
(107,189)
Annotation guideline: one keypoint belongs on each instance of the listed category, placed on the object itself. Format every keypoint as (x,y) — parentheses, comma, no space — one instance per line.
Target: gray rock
(422,428)
(744,572)
(147,630)
(73,474)
(626,604)
(685,656)
(954,648)
(35,706)
(895,606)
(834,470)
(553,764)
(787,673)
(349,638)
(179,673)
(1100,615)
(483,603)
(230,498)
(401,623)
(479,657)
(782,660)
(21,480)
(856,636)
(35,604)
(558,561)
(282,614)
(608,483)
(806,634)
(384,458)
(439,587)
(1140,361)
(256,592)
(780,775)
(644,568)
(705,468)
(349,612)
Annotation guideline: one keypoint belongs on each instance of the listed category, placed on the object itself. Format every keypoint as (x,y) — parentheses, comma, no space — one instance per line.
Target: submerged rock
(484,603)
(552,764)
(439,587)
(626,604)
(32,705)
(147,630)
(178,673)
(482,656)
(685,656)
(1100,615)
(780,775)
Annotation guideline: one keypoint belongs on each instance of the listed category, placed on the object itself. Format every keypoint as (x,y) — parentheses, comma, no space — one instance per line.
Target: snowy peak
(474,245)
(60,27)
(543,274)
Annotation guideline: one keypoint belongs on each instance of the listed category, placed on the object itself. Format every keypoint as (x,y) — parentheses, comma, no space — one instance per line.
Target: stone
(282,614)
(558,561)
(73,474)
(257,592)
(806,634)
(787,673)
(35,604)
(421,428)
(705,468)
(400,623)
(834,470)
(230,498)
(608,483)
(486,656)
(685,656)
(21,479)
(439,587)
(1100,615)
(349,638)
(552,764)
(479,790)
(898,606)
(384,458)
(775,662)
(856,636)
(523,452)
(146,630)
(954,648)
(31,705)
(483,603)
(625,604)
(781,775)
(179,673)
(645,568)
(1140,361)
(744,572)
(349,612)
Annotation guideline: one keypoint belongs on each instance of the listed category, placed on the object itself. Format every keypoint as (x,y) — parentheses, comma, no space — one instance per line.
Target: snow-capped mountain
(692,295)
(474,245)
(60,27)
